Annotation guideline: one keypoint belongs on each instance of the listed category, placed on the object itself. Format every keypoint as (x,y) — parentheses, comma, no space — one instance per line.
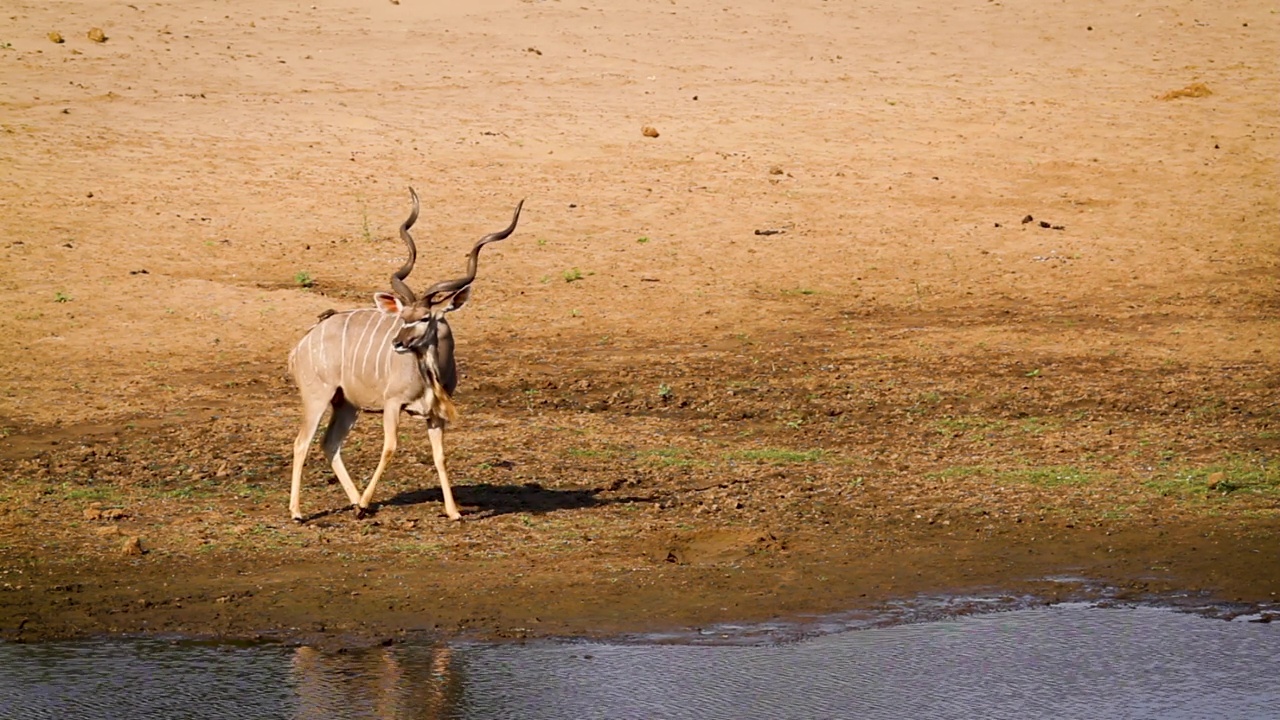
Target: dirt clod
(132,546)
(1194,90)
(96,35)
(56,37)
(649,131)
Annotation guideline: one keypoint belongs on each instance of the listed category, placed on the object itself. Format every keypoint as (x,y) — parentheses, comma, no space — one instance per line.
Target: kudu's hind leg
(340,423)
(435,431)
(312,411)
(390,424)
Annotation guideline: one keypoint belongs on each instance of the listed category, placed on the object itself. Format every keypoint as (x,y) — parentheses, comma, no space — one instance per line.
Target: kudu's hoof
(361,513)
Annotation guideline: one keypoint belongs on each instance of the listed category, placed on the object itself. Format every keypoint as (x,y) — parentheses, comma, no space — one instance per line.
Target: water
(1066,661)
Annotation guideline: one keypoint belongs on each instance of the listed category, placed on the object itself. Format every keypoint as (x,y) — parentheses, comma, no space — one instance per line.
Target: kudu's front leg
(435,431)
(390,424)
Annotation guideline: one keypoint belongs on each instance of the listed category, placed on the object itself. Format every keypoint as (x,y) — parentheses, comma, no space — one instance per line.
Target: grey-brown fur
(393,357)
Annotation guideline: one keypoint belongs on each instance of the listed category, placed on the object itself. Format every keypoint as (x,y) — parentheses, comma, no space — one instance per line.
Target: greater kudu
(395,356)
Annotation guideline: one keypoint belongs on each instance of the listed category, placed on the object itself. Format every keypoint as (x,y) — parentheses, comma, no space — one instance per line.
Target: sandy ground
(902,298)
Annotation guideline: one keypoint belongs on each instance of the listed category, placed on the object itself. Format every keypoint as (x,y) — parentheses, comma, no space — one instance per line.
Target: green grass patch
(252,491)
(668,457)
(779,456)
(1254,476)
(88,493)
(1051,476)
(1037,425)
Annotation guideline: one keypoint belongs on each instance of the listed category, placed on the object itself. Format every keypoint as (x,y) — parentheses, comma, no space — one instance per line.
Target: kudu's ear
(387,303)
(459,299)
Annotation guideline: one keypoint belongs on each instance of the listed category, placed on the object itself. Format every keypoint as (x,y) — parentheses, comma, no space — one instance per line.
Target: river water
(1062,661)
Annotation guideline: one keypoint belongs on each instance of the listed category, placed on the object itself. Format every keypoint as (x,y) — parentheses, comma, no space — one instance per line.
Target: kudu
(395,356)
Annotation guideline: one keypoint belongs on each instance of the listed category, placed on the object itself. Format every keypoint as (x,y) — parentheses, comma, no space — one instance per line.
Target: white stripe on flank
(342,377)
(389,352)
(364,336)
(316,366)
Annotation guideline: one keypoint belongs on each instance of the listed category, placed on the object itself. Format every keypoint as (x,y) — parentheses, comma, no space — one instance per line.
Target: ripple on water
(1067,661)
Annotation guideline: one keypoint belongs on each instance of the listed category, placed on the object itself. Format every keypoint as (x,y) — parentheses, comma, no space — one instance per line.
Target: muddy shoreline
(347,602)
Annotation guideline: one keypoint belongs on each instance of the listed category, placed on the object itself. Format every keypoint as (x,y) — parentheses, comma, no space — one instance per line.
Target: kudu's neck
(436,360)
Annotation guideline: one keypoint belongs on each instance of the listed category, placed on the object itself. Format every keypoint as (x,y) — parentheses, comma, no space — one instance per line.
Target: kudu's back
(352,351)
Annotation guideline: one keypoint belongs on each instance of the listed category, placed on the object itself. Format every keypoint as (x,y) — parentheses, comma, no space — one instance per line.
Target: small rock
(649,131)
(1027,219)
(775,170)
(56,37)
(1215,479)
(97,35)
(133,546)
(92,513)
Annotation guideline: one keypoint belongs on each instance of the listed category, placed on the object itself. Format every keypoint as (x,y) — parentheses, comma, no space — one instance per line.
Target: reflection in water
(1059,662)
(387,683)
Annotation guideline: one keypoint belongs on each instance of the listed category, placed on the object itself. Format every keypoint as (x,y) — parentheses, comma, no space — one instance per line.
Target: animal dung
(96,35)
(649,131)
(56,37)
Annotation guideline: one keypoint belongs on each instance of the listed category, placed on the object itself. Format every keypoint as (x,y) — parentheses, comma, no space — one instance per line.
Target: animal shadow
(485,500)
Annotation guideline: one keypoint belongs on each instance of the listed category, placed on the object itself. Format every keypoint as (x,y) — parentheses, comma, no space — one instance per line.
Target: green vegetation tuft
(668,457)
(961,471)
(1255,475)
(1050,476)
